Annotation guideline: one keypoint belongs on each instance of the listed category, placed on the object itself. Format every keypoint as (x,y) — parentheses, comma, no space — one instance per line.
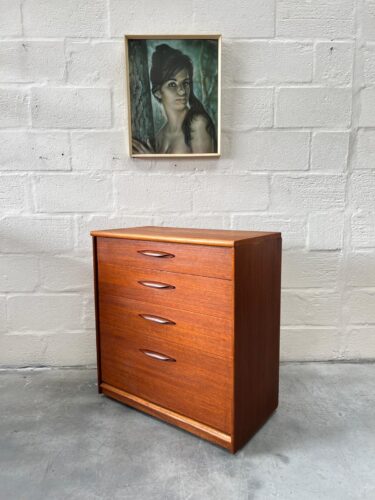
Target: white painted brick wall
(313,107)
(369,64)
(273,150)
(364,150)
(334,63)
(39,312)
(329,151)
(298,156)
(71,18)
(10,19)
(72,193)
(312,308)
(30,61)
(70,107)
(14,108)
(318,18)
(269,62)
(18,273)
(33,151)
(367,117)
(326,230)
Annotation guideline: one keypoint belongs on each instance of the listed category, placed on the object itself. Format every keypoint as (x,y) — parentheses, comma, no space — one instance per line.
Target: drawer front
(209,334)
(200,260)
(198,294)
(186,381)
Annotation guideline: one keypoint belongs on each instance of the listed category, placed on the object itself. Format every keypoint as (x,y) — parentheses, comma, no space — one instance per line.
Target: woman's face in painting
(174,93)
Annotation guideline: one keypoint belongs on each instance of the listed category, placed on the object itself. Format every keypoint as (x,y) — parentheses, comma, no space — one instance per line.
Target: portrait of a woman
(167,115)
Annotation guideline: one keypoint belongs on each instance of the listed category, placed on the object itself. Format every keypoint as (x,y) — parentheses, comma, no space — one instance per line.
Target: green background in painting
(204,56)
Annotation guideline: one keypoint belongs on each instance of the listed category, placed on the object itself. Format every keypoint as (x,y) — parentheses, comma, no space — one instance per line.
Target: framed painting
(173,90)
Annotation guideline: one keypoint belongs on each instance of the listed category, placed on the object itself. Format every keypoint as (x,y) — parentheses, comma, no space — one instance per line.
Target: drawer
(198,294)
(200,260)
(184,380)
(209,334)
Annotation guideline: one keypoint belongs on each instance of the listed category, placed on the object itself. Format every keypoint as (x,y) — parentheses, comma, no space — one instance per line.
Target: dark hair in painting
(166,63)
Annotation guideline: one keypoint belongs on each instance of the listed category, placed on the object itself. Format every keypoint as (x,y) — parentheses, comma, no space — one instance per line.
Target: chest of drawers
(188,326)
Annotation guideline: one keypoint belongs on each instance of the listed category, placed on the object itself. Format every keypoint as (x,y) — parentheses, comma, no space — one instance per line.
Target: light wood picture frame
(173,95)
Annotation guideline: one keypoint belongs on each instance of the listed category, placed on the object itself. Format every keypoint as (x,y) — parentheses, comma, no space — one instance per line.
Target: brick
(13,193)
(367,106)
(360,343)
(272,150)
(88,320)
(313,107)
(87,223)
(14,108)
(363,230)
(362,190)
(96,63)
(32,61)
(150,194)
(312,308)
(129,13)
(71,108)
(35,234)
(120,109)
(70,349)
(329,151)
(293,229)
(364,150)
(268,62)
(369,64)
(307,192)
(195,221)
(20,351)
(57,349)
(334,63)
(243,109)
(3,315)
(326,230)
(44,313)
(73,193)
(368,20)
(233,20)
(71,18)
(66,274)
(25,150)
(309,344)
(10,19)
(360,269)
(310,269)
(18,273)
(104,150)
(360,306)
(317,19)
(215,193)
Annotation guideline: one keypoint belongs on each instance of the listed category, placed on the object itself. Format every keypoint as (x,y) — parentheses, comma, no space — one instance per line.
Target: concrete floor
(59,439)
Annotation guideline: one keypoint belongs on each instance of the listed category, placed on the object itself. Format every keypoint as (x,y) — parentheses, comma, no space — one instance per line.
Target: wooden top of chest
(210,237)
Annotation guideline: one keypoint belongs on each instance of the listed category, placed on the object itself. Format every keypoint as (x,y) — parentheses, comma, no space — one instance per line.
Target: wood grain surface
(212,335)
(186,423)
(199,294)
(202,353)
(257,337)
(202,260)
(196,384)
(210,237)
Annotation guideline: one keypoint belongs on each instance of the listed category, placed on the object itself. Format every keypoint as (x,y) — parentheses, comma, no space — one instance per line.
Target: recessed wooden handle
(157,355)
(155,284)
(157,319)
(154,253)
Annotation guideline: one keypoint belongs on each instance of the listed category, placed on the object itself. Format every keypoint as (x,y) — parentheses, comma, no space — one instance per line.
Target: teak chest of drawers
(188,326)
